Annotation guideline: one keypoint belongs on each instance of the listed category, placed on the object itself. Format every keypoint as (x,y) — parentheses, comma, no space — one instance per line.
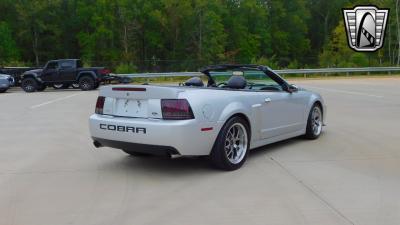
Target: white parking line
(55,100)
(345,92)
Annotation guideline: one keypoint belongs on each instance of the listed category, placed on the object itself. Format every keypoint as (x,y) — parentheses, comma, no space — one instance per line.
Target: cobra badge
(365,26)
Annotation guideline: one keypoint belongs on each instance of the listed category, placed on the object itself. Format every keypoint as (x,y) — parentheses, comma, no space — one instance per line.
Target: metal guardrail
(325,71)
(368,70)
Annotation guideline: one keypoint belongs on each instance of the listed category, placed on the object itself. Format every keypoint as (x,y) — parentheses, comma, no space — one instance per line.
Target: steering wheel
(251,84)
(222,83)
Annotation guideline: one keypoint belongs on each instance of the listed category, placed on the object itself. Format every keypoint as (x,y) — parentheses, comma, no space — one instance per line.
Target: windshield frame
(246,67)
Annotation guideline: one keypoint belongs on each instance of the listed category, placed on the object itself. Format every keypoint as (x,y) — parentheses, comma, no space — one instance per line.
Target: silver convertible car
(222,114)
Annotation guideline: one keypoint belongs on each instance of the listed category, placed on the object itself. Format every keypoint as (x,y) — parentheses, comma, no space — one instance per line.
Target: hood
(37,71)
(4,76)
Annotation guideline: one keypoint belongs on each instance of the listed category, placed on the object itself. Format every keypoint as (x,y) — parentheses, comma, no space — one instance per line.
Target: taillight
(104,71)
(100,105)
(176,109)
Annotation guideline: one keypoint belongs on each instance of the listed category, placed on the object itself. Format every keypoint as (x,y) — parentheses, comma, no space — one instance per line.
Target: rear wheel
(29,84)
(314,122)
(86,83)
(232,145)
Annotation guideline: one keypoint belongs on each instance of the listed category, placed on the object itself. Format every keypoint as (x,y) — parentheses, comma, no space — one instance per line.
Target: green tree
(209,37)
(96,38)
(248,32)
(289,30)
(8,48)
(324,17)
(38,28)
(337,53)
(167,35)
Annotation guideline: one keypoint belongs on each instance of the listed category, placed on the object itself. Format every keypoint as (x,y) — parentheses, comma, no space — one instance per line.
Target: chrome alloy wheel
(85,85)
(29,85)
(236,143)
(316,120)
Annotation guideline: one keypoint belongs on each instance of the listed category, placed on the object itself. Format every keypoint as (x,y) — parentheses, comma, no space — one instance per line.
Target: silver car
(223,114)
(6,81)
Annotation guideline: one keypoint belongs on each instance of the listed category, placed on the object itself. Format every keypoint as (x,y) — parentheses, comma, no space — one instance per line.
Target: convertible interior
(238,80)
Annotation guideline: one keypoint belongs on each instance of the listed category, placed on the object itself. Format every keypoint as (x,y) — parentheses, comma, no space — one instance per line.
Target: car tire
(136,154)
(29,84)
(86,83)
(232,146)
(3,90)
(42,87)
(314,122)
(75,85)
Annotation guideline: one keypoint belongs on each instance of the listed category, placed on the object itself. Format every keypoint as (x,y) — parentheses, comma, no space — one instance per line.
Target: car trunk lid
(136,101)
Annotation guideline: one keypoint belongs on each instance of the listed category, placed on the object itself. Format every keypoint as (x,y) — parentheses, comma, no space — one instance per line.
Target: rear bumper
(185,137)
(141,148)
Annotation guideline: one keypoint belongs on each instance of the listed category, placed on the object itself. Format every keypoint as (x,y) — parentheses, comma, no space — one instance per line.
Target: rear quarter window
(67,64)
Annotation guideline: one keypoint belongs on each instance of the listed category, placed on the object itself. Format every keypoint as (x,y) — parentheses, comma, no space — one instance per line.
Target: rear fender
(233,108)
(237,108)
(86,73)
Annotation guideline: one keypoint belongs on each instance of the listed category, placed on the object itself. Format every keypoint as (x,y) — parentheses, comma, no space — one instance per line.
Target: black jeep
(63,73)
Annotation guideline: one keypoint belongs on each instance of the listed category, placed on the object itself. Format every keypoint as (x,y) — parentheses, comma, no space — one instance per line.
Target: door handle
(267,100)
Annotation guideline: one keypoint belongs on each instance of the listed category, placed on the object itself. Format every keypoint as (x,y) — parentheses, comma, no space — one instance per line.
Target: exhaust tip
(97,144)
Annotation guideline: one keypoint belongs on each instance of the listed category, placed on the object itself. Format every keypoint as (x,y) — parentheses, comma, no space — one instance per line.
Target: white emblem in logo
(139,104)
(365,26)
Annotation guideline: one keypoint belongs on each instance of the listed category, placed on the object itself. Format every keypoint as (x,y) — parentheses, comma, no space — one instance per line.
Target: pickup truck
(62,73)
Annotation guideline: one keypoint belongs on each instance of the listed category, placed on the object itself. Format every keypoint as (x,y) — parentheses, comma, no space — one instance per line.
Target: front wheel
(29,84)
(232,145)
(86,83)
(314,122)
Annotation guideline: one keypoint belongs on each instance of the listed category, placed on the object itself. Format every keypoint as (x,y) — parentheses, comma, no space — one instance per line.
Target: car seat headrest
(194,81)
(236,82)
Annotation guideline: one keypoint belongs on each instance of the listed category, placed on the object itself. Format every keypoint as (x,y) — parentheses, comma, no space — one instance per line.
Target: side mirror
(294,88)
(291,88)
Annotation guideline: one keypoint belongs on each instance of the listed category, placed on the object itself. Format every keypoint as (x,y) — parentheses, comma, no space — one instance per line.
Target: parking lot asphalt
(50,173)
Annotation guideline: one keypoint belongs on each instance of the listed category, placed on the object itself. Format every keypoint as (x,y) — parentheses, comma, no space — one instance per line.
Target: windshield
(256,80)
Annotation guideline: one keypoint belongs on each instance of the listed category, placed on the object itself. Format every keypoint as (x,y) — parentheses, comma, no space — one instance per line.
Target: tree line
(178,35)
